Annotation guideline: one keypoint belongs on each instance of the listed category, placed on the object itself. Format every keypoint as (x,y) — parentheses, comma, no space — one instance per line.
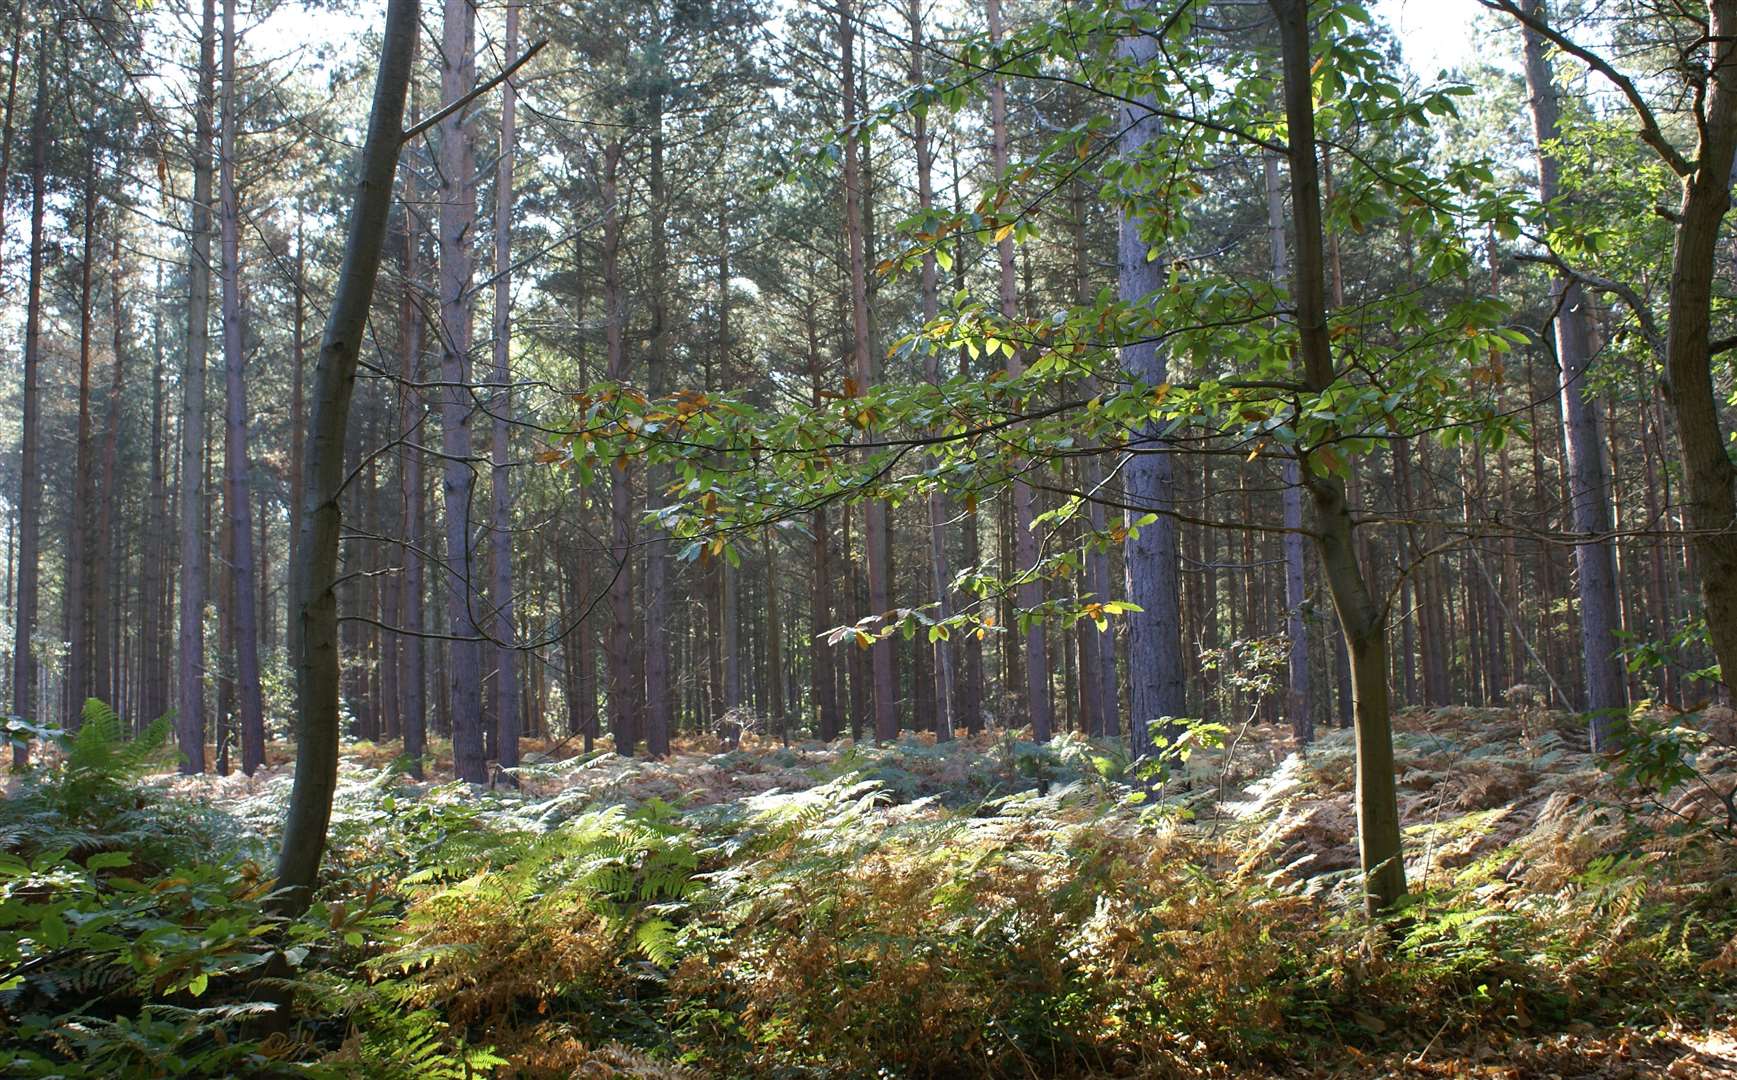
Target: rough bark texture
(1588,474)
(618,645)
(243,592)
(190,712)
(1030,593)
(29,469)
(940,574)
(1299,705)
(506,688)
(1362,620)
(867,369)
(1709,478)
(659,691)
(1155,671)
(412,414)
(313,577)
(457,221)
(79,549)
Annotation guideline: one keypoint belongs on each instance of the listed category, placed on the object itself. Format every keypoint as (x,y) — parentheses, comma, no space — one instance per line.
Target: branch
(1642,314)
(506,73)
(1650,132)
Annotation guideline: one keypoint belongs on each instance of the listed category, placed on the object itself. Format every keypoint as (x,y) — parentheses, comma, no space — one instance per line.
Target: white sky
(1436,34)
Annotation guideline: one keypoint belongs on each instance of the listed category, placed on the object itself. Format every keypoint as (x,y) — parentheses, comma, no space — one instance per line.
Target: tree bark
(940,574)
(190,714)
(1709,478)
(1299,703)
(1155,672)
(867,369)
(81,610)
(457,223)
(506,655)
(26,595)
(623,721)
(1362,620)
(1606,694)
(243,592)
(659,688)
(1030,592)
(313,578)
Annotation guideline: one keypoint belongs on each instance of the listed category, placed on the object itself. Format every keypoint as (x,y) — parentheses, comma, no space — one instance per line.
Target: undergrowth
(989,909)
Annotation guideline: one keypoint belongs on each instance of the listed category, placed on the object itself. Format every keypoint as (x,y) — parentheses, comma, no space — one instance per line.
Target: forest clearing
(842,538)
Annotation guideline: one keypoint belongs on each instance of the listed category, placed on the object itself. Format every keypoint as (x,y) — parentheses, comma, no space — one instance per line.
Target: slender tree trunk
(107,685)
(1025,541)
(1362,620)
(867,370)
(940,574)
(29,470)
(412,416)
(81,610)
(623,721)
(457,409)
(1298,701)
(153,586)
(243,591)
(506,656)
(190,714)
(1155,671)
(1588,475)
(659,688)
(313,578)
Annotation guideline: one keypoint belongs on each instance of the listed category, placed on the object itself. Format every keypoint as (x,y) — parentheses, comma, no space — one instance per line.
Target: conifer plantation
(868,538)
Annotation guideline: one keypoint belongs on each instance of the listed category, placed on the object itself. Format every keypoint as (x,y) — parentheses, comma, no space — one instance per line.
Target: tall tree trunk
(243,591)
(313,579)
(867,369)
(26,594)
(618,645)
(659,688)
(107,685)
(190,713)
(1588,476)
(412,416)
(1709,477)
(154,585)
(1025,546)
(457,223)
(1155,673)
(1361,618)
(940,575)
(823,680)
(1298,701)
(81,610)
(506,656)
(297,367)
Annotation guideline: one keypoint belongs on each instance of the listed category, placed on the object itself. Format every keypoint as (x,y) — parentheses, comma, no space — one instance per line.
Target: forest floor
(994,908)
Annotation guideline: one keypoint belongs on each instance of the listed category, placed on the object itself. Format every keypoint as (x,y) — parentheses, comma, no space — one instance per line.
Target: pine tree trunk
(507,703)
(659,682)
(190,713)
(81,609)
(867,371)
(1588,476)
(243,592)
(457,223)
(26,595)
(107,686)
(619,643)
(1155,676)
